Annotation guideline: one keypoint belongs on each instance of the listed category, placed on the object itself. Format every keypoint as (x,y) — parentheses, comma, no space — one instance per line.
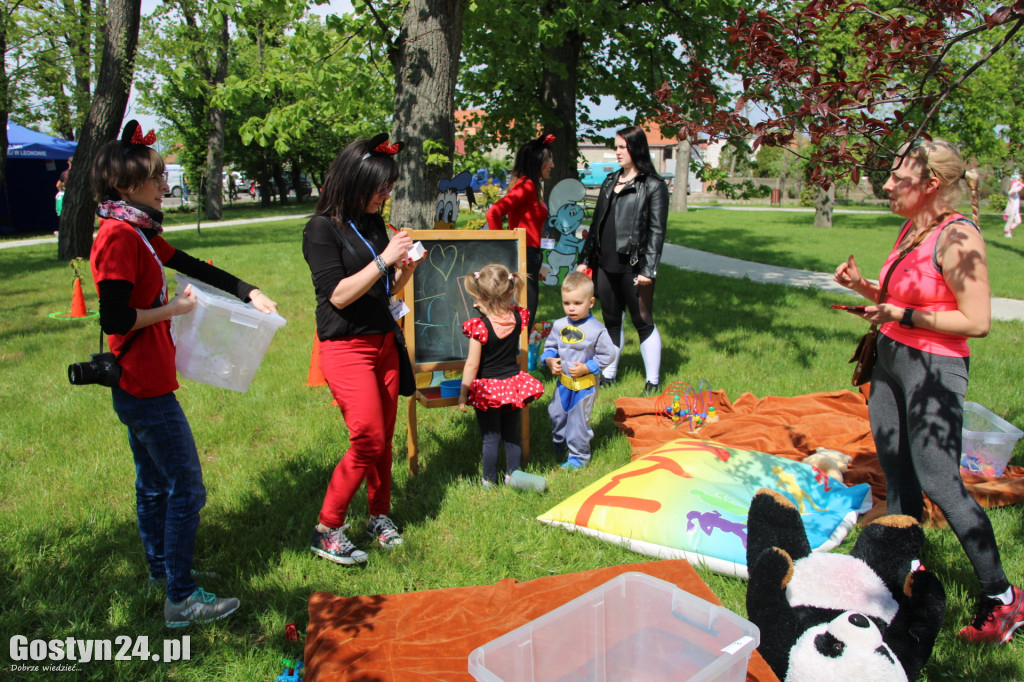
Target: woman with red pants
(525,208)
(357,270)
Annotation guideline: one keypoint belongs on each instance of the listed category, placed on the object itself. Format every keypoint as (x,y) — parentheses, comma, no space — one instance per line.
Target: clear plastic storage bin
(988,441)
(633,627)
(223,340)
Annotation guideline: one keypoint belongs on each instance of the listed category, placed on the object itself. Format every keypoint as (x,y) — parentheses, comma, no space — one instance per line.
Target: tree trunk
(824,203)
(282,184)
(78,24)
(785,173)
(682,182)
(215,137)
(426,61)
(4,113)
(102,125)
(558,93)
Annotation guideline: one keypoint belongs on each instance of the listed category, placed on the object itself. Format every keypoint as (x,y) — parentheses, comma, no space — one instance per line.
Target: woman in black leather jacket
(623,249)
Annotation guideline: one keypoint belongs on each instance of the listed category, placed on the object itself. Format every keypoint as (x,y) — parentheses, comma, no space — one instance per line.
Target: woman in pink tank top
(937,297)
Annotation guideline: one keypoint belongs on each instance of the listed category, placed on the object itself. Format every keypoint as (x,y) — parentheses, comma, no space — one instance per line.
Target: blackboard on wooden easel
(439,305)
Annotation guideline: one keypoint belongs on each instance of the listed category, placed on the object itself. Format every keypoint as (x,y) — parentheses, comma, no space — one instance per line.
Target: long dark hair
(636,145)
(530,160)
(355,174)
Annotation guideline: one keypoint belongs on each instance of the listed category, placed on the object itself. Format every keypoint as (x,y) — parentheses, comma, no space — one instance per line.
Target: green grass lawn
(71,561)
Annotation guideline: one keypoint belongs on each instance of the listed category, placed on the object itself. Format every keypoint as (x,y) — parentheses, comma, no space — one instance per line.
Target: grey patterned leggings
(916,408)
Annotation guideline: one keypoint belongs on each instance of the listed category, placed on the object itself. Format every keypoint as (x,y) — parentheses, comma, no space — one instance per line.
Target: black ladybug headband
(379,144)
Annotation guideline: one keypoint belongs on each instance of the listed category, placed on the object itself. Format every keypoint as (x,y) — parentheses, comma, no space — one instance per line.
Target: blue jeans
(169,490)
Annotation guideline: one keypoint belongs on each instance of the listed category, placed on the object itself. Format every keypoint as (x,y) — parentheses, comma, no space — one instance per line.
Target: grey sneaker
(335,546)
(383,530)
(200,607)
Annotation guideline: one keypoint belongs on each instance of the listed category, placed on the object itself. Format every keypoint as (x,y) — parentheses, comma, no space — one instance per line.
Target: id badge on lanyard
(396,306)
(159,265)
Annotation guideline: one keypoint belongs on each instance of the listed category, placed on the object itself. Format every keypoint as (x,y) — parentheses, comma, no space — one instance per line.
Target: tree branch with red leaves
(856,117)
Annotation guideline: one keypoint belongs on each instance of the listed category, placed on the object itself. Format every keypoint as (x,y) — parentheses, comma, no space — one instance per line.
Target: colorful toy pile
(679,404)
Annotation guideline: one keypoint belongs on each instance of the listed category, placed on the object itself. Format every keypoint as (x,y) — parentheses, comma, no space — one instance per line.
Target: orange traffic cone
(78,300)
(316,376)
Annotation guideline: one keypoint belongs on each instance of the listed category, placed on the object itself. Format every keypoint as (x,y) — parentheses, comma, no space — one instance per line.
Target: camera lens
(76,373)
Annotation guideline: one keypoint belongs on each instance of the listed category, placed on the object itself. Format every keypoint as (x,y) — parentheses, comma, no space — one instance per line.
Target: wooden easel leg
(413,439)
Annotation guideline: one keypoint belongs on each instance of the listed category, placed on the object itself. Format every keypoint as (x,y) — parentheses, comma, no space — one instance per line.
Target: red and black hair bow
(379,144)
(132,135)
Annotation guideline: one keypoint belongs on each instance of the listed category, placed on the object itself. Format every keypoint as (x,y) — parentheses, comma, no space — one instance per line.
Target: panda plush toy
(836,617)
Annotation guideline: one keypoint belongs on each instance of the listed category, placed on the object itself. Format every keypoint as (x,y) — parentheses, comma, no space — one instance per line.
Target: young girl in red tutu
(492,381)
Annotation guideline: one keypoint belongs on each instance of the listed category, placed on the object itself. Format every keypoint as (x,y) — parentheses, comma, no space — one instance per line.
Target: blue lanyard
(387,280)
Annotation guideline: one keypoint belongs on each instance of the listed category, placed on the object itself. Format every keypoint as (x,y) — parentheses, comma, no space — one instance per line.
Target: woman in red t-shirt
(525,208)
(127,262)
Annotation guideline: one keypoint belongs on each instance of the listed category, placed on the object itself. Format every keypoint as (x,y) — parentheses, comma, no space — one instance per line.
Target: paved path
(702,261)
(678,256)
(167,228)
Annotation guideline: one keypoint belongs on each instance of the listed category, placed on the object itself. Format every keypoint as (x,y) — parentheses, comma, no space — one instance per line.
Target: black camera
(102,369)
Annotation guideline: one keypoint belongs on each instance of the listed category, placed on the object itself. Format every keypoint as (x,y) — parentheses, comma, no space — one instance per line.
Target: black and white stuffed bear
(836,617)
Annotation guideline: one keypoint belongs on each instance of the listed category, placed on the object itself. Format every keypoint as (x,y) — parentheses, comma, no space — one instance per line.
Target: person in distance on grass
(937,297)
(492,381)
(127,261)
(575,351)
(357,271)
(524,207)
(623,249)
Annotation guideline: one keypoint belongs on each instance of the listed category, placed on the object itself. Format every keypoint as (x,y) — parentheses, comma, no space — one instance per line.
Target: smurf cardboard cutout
(565,224)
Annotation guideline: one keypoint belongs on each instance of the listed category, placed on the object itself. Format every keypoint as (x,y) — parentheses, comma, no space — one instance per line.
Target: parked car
(484,177)
(175,176)
(596,173)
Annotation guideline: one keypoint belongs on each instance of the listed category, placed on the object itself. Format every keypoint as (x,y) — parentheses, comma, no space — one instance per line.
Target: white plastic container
(633,627)
(988,441)
(223,340)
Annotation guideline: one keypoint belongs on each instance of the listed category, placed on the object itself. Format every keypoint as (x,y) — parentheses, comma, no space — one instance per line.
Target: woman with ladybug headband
(525,208)
(357,272)
(127,261)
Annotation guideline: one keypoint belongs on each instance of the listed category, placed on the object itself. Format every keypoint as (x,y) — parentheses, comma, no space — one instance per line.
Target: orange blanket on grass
(429,635)
(793,428)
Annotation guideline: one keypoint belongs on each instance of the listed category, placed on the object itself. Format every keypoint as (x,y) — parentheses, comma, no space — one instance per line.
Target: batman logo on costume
(572,334)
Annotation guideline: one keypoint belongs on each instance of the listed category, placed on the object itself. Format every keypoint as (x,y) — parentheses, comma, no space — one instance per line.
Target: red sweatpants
(362,373)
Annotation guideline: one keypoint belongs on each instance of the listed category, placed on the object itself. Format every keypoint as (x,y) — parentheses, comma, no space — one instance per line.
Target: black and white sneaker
(335,546)
(383,530)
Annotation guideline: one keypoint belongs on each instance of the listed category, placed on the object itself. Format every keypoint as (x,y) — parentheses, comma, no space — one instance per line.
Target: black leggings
(916,408)
(495,426)
(617,293)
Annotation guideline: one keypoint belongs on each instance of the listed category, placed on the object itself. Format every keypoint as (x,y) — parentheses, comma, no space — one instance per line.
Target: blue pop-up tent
(34,163)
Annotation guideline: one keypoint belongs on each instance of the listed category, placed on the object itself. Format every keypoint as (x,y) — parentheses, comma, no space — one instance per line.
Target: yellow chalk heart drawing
(443,263)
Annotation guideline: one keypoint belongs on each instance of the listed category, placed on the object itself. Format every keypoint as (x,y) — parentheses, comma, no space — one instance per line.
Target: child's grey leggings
(916,408)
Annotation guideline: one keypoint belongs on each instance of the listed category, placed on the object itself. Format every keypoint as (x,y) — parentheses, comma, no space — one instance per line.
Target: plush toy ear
(888,545)
(774,521)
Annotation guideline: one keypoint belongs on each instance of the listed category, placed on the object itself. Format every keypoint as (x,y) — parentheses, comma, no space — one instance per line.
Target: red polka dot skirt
(516,391)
